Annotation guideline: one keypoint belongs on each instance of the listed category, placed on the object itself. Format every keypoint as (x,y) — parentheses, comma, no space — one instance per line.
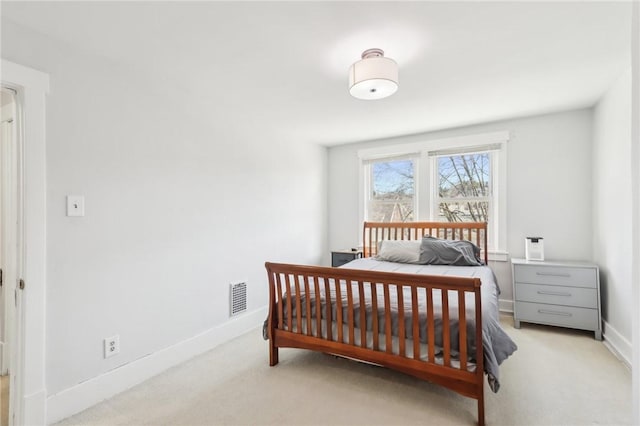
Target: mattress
(496,343)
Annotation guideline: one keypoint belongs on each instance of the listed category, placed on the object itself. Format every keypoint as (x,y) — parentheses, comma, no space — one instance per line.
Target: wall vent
(238,302)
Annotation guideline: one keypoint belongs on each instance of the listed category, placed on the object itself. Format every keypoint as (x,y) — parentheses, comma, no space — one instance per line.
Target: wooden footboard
(408,328)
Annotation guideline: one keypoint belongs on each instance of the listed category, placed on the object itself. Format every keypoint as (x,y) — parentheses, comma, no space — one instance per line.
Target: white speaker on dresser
(534,248)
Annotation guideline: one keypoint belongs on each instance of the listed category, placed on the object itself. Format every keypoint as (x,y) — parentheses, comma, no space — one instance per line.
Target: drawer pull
(562,314)
(554,274)
(554,293)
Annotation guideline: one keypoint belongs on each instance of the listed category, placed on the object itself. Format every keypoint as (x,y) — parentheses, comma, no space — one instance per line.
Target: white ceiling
(283,65)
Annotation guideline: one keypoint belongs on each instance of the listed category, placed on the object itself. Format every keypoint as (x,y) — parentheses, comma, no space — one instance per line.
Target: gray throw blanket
(434,251)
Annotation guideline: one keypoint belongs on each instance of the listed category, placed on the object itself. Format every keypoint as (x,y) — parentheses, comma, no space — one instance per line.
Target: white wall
(612,235)
(548,186)
(179,203)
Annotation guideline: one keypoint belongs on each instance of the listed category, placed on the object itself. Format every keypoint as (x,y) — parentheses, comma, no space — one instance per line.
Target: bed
(390,309)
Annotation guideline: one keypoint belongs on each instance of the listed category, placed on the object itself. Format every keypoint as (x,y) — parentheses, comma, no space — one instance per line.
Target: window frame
(367,174)
(425,179)
(493,198)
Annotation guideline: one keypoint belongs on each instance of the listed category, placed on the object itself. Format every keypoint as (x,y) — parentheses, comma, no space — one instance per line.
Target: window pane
(464,175)
(382,211)
(392,179)
(466,211)
(392,191)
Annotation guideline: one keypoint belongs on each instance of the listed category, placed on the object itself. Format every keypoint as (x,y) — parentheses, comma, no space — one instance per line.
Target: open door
(10,251)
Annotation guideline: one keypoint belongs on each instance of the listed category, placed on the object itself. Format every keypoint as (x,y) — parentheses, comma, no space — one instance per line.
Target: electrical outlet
(111,346)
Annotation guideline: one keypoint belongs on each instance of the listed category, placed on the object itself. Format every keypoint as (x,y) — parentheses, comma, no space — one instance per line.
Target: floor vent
(238,298)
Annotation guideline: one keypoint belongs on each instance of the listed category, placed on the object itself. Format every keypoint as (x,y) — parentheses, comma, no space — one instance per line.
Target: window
(391,190)
(463,191)
(459,179)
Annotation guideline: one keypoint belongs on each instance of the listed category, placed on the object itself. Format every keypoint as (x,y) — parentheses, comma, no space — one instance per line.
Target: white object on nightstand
(565,294)
(534,248)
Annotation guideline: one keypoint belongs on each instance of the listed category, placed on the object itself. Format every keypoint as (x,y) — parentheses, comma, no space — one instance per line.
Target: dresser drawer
(565,316)
(556,275)
(557,295)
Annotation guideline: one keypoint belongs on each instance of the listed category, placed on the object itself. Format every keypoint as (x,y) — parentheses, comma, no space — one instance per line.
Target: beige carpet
(557,377)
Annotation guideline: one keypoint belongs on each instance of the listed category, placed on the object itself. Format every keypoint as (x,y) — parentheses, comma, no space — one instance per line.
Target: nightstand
(340,257)
(565,294)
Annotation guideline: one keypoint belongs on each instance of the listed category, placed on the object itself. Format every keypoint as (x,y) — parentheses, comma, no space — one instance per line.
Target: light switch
(75,205)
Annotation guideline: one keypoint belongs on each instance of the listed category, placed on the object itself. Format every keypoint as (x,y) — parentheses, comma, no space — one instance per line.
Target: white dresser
(565,294)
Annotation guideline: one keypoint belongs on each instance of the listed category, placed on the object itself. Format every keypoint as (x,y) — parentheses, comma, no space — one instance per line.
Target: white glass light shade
(373,78)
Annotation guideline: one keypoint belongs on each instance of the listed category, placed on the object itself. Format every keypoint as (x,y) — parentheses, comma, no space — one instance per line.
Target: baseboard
(86,394)
(505,305)
(617,344)
(33,408)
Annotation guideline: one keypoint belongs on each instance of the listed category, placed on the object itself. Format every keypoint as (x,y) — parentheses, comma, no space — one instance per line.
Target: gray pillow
(435,251)
(399,251)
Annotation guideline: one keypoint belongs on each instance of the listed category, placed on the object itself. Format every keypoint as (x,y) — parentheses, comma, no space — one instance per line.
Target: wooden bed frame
(299,331)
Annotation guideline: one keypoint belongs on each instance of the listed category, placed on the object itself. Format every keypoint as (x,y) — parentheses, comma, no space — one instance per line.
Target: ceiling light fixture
(374,76)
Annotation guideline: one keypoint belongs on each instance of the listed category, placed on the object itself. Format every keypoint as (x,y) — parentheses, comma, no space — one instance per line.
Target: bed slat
(339,318)
(374,316)
(329,315)
(287,283)
(280,305)
(350,311)
(298,304)
(387,319)
(462,327)
(307,294)
(446,329)
(431,328)
(415,315)
(316,282)
(401,326)
(363,315)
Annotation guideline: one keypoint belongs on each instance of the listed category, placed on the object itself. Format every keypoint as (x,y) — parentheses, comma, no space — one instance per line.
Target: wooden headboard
(374,232)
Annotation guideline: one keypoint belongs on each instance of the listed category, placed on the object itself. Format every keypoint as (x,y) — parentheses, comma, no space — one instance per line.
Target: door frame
(9,230)
(29,401)
(10,222)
